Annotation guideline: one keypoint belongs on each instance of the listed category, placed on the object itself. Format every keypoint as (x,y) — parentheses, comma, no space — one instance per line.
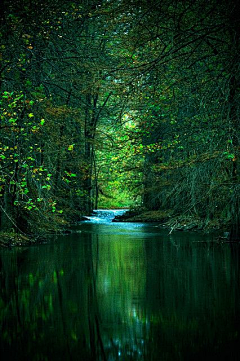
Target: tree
(182,71)
(148,90)
(48,57)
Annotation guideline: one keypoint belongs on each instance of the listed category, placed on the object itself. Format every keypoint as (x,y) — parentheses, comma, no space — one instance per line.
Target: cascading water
(104,215)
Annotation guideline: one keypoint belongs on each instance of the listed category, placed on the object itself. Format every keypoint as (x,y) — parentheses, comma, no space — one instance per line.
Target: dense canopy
(118,103)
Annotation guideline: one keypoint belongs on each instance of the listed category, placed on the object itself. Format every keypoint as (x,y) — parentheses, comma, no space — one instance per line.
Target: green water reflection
(120,293)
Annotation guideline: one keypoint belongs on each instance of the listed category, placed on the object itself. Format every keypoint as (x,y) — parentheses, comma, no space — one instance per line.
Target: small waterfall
(104,215)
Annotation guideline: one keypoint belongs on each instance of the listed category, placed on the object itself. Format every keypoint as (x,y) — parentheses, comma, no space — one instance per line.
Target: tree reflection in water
(120,295)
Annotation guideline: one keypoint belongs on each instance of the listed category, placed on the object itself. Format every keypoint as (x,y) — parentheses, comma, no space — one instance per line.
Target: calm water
(120,291)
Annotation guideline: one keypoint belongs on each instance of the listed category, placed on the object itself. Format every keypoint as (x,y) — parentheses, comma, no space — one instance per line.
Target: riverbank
(12,239)
(163,219)
(173,222)
(9,239)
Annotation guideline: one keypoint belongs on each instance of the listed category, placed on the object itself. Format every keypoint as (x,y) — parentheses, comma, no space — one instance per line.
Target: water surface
(120,291)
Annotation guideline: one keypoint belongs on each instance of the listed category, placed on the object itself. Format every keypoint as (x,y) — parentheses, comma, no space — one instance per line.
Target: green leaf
(70,147)
(12,120)
(48,187)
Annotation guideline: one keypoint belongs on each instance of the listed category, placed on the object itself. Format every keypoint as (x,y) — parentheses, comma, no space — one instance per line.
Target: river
(120,291)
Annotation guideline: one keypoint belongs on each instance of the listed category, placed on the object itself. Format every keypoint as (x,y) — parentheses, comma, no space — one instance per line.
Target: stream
(120,291)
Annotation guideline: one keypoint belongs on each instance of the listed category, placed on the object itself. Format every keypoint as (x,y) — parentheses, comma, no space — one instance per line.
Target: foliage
(100,108)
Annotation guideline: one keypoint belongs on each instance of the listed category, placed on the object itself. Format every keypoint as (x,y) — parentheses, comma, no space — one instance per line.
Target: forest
(119,104)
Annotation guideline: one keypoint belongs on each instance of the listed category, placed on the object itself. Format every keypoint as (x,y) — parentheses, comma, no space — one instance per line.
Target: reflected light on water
(114,291)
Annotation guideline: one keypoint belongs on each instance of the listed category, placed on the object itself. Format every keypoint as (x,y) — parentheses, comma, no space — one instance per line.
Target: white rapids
(104,215)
